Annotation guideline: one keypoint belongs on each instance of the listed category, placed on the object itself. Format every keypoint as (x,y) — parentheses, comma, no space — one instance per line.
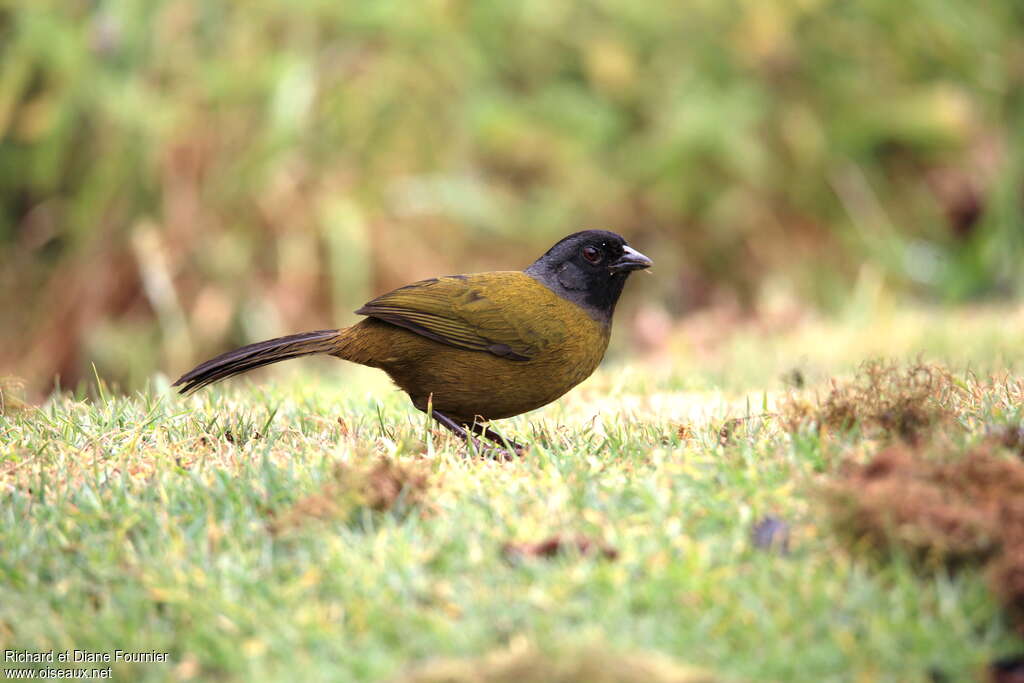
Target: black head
(589,268)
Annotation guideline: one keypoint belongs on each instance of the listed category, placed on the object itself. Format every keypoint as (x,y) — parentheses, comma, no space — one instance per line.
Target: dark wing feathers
(457,311)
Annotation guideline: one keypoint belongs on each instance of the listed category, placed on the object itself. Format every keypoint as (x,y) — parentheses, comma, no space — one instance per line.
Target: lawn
(308,524)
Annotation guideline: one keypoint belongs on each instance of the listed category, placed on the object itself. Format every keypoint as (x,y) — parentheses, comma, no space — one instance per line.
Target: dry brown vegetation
(924,492)
(381,486)
(558,545)
(882,399)
(943,508)
(11,389)
(522,663)
(945,511)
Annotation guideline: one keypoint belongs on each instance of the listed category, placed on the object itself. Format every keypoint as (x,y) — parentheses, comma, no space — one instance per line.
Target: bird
(470,349)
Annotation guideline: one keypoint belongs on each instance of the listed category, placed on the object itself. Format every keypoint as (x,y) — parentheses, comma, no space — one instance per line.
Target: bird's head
(589,268)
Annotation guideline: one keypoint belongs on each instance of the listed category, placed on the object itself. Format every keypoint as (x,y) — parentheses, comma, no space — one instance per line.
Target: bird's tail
(257,355)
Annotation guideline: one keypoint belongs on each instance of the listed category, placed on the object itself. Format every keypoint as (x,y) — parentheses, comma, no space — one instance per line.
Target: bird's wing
(473,312)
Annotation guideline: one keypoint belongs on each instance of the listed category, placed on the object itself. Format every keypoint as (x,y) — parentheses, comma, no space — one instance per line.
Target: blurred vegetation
(179,175)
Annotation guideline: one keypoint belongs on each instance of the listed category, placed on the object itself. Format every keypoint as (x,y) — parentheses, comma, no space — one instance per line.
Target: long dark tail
(257,355)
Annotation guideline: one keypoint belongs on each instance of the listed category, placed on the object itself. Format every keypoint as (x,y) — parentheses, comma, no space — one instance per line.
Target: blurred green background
(177,176)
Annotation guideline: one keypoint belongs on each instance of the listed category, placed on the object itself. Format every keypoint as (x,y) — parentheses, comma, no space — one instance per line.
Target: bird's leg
(480,430)
(450,424)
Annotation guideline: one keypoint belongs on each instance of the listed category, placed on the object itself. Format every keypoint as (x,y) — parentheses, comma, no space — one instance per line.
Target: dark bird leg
(477,429)
(451,424)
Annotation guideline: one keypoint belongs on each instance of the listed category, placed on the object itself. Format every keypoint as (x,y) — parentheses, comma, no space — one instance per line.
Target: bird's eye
(592,254)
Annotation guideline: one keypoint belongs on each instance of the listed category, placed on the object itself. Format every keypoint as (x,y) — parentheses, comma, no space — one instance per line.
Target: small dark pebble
(772,534)
(794,378)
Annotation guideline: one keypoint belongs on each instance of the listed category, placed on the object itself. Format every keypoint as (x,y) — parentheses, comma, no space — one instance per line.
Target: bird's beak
(631,259)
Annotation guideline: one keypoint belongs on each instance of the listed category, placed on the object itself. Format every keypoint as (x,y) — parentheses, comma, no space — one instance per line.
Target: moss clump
(943,509)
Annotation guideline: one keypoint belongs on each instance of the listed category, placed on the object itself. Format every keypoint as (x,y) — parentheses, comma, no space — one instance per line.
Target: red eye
(592,254)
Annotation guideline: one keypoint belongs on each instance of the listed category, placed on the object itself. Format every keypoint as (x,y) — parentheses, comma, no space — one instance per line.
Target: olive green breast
(564,345)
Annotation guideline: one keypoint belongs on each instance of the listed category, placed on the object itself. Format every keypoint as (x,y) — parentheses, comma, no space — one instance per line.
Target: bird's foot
(512,448)
(498,452)
(504,449)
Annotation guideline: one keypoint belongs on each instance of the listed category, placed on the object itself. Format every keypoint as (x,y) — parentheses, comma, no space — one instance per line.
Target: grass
(189,526)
